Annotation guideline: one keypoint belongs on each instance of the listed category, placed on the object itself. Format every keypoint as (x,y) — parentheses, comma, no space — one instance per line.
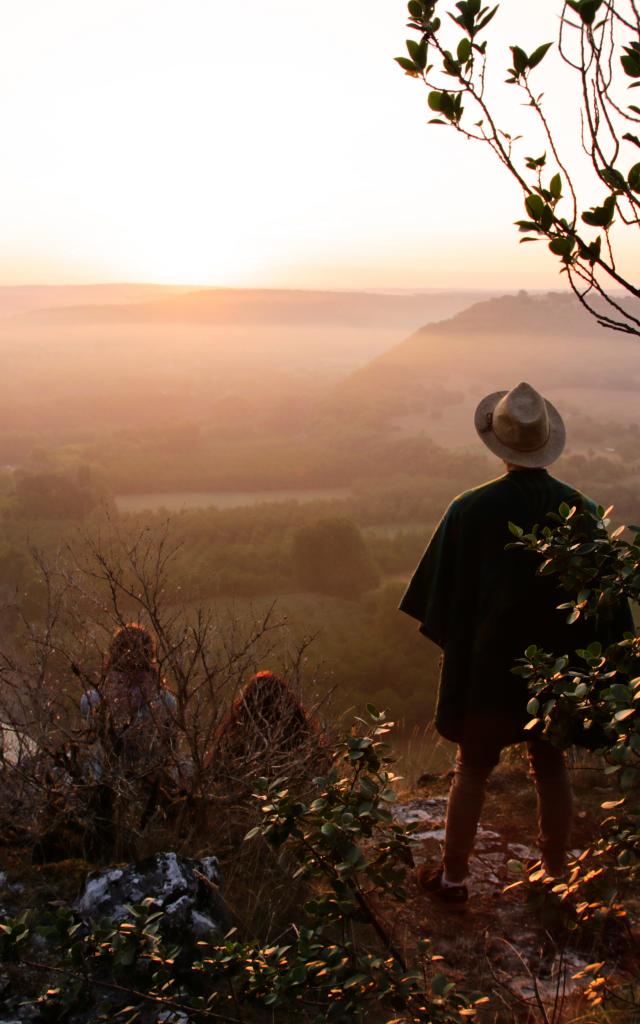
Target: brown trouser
(474,764)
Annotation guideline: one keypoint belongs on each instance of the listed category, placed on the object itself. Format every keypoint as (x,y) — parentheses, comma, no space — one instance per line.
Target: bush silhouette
(330,557)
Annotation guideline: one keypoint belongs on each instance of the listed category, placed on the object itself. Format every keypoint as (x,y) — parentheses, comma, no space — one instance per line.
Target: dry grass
(421,755)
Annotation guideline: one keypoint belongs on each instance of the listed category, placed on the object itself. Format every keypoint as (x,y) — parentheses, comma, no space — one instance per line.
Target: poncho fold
(484,604)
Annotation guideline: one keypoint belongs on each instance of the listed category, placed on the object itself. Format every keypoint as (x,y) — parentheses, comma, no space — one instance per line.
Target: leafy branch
(602,46)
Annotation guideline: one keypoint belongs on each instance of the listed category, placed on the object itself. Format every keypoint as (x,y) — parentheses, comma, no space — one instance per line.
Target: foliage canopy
(591,697)
(599,41)
(330,557)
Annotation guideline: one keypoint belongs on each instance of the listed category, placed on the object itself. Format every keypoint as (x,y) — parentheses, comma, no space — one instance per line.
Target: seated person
(267,731)
(132,696)
(131,717)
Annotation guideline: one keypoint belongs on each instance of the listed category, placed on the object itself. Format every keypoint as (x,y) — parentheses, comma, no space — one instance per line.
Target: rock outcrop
(188,892)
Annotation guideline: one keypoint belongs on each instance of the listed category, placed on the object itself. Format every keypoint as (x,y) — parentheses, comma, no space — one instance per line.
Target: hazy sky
(233,142)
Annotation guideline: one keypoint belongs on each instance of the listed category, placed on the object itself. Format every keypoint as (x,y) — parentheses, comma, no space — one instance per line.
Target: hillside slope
(433,379)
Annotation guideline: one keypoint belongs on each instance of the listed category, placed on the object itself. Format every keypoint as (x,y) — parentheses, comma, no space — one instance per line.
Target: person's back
(132,711)
(482,602)
(131,718)
(267,732)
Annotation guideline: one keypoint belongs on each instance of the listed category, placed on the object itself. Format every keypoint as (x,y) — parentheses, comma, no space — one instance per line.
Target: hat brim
(538,459)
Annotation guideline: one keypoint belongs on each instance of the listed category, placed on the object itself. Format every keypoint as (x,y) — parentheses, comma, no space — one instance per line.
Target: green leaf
(527,225)
(534,162)
(563,245)
(407,65)
(418,53)
(438,984)
(415,8)
(631,61)
(485,21)
(601,216)
(621,716)
(517,531)
(633,178)
(355,979)
(464,50)
(353,855)
(592,252)
(534,205)
(412,46)
(421,55)
(613,178)
(555,186)
(586,9)
(538,54)
(533,706)
(520,60)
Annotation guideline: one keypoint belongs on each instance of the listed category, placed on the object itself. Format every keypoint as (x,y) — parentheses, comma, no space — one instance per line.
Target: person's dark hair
(132,648)
(266,695)
(266,713)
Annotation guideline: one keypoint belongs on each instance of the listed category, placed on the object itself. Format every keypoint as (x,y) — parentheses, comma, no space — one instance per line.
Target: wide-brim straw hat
(521,427)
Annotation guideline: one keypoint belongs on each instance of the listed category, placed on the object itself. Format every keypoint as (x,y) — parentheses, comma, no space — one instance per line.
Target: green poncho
(485,605)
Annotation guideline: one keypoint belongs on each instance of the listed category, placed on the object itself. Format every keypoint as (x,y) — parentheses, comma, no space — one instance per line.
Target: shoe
(429,880)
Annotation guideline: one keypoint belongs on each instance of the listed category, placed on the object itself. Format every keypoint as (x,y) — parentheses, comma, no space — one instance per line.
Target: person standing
(483,604)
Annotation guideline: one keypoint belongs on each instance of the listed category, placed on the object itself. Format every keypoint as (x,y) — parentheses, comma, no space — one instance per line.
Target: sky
(254,143)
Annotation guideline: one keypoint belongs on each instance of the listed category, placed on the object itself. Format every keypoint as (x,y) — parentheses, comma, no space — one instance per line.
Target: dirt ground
(498,943)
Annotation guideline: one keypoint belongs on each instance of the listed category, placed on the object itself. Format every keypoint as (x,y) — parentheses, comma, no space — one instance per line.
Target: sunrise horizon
(321,181)
(278,286)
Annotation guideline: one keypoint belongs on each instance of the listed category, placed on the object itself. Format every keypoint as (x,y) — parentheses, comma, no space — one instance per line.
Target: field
(175,501)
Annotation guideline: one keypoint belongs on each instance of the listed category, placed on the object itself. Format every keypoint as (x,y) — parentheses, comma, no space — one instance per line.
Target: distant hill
(432,380)
(17,299)
(244,307)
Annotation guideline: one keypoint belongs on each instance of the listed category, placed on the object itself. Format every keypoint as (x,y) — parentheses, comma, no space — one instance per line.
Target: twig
(114,987)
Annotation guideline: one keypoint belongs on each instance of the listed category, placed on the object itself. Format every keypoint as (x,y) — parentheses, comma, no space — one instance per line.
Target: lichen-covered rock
(187,891)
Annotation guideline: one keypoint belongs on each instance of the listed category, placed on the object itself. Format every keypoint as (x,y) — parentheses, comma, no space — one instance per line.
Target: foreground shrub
(338,962)
(78,781)
(592,697)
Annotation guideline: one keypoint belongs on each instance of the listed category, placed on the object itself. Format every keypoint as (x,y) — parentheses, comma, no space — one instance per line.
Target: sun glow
(212,143)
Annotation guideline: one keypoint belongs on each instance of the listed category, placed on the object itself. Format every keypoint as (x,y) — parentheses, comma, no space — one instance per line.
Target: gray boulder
(187,891)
